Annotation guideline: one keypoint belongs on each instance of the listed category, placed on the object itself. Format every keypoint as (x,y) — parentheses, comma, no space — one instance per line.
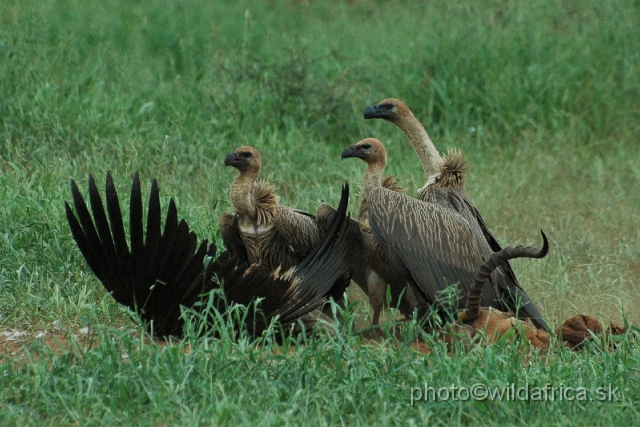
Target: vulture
(268,235)
(426,245)
(372,282)
(445,181)
(261,231)
(165,269)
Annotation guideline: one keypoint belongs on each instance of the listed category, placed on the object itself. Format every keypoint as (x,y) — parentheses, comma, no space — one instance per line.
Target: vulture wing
(156,276)
(355,251)
(298,232)
(504,291)
(166,271)
(430,245)
(231,236)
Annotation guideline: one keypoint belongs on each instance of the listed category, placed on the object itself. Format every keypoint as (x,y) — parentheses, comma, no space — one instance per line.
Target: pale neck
(372,179)
(241,193)
(422,144)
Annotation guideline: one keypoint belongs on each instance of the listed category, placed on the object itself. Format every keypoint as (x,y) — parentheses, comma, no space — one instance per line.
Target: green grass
(543,97)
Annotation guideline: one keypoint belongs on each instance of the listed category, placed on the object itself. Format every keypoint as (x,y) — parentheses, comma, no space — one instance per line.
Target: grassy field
(543,97)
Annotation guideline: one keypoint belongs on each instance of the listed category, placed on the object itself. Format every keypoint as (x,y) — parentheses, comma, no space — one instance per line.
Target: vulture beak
(349,152)
(236,160)
(230,159)
(379,111)
(371,112)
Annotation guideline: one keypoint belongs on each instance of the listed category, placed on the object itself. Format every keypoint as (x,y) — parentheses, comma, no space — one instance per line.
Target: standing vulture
(373,282)
(429,245)
(445,179)
(165,270)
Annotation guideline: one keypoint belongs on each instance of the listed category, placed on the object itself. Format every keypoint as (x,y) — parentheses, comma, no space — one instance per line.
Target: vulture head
(244,159)
(390,109)
(370,150)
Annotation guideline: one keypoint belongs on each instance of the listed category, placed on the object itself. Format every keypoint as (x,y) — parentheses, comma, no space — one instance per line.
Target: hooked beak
(378,112)
(230,159)
(237,161)
(349,152)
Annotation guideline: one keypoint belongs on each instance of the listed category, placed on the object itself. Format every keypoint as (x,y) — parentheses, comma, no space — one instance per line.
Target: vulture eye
(246,155)
(366,146)
(387,106)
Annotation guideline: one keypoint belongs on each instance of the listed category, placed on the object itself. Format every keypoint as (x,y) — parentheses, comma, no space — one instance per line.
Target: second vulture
(444,186)
(268,235)
(425,245)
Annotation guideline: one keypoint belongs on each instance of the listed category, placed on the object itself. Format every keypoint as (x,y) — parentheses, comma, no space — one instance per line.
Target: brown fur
(493,324)
(578,329)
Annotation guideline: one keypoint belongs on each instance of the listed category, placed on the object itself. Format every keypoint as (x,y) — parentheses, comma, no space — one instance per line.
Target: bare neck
(372,179)
(422,144)
(241,193)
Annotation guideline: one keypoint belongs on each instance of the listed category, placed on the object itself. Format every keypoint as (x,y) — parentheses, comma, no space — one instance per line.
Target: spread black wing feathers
(153,278)
(166,271)
(355,250)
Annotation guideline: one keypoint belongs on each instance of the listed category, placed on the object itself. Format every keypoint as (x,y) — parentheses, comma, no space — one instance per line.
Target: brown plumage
(162,272)
(363,255)
(425,245)
(379,270)
(261,231)
(445,179)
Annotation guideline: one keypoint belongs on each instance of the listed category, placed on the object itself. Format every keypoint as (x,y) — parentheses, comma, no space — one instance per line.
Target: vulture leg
(377,289)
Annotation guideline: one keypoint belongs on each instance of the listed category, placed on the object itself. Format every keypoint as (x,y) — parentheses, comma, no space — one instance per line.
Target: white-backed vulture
(377,271)
(163,271)
(445,179)
(429,245)
(372,281)
(261,231)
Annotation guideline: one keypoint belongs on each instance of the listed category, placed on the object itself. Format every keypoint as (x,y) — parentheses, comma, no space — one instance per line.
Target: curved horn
(487,267)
